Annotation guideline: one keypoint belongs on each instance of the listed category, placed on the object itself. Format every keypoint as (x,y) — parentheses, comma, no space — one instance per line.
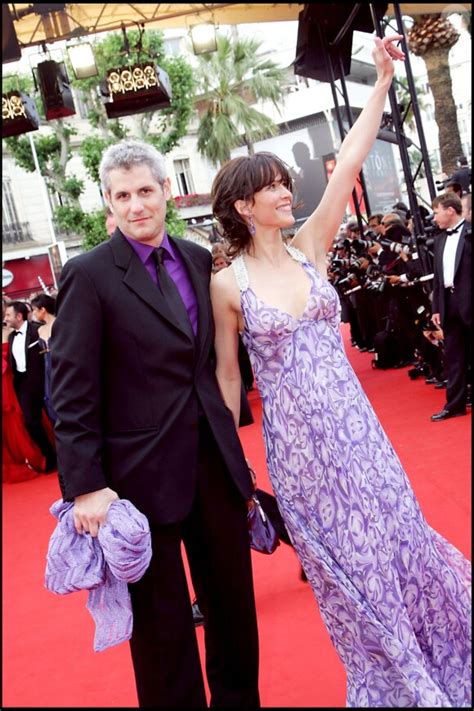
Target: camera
(371,234)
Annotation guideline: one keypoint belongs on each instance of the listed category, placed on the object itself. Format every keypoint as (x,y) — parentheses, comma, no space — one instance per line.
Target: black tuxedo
(139,410)
(29,388)
(455,309)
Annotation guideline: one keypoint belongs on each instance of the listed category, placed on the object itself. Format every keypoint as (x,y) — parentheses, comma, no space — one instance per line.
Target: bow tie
(18,333)
(453,231)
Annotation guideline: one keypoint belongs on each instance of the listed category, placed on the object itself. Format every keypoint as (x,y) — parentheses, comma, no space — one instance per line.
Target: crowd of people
(146,393)
(27,413)
(390,281)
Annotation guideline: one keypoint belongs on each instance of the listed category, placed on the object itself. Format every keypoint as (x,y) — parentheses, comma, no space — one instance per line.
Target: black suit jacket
(34,378)
(462,276)
(127,383)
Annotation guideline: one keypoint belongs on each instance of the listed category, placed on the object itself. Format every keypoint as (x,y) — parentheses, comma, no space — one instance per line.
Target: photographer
(347,271)
(462,175)
(341,277)
(401,268)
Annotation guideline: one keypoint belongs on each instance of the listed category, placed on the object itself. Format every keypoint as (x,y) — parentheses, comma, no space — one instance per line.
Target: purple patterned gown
(394,595)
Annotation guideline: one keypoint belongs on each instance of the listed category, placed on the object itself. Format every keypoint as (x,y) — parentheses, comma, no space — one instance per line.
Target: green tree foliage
(175,226)
(53,152)
(229,81)
(163,129)
(91,150)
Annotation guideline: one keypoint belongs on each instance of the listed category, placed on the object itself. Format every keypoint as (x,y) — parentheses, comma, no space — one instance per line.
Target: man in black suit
(27,364)
(462,176)
(141,417)
(452,298)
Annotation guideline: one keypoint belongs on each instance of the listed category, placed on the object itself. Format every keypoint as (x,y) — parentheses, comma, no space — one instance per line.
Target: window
(172,46)
(183,176)
(81,103)
(12,230)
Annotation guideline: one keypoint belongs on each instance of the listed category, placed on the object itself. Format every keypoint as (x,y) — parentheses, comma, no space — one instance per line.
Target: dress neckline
(243,281)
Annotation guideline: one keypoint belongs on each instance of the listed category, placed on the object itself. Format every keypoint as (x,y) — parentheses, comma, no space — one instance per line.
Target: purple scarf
(104,565)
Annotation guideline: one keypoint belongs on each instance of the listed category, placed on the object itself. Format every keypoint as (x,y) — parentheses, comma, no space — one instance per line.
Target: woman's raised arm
(316,235)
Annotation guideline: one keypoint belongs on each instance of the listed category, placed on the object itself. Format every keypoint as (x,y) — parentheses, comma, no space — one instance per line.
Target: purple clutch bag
(263,537)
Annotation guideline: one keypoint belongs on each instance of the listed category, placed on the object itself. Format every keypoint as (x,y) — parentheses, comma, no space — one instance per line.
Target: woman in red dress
(22,459)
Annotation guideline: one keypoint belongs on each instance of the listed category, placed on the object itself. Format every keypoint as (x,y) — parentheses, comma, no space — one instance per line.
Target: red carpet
(47,640)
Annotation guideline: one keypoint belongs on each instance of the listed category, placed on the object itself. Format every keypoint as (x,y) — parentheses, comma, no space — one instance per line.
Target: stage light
(82,60)
(136,89)
(203,37)
(19,114)
(55,89)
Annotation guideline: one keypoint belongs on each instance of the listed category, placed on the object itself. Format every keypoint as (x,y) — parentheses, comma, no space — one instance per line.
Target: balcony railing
(16,233)
(192,200)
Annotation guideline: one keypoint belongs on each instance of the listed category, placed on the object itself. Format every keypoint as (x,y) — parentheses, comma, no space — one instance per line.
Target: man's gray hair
(125,155)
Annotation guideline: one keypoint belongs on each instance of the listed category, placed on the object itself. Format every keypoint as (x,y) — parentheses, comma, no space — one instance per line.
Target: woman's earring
(251,225)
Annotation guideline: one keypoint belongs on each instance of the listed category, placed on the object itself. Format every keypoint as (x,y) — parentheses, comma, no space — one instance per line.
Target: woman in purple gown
(394,595)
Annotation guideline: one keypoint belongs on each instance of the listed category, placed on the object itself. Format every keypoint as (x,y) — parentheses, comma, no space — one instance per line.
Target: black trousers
(31,403)
(163,645)
(457,351)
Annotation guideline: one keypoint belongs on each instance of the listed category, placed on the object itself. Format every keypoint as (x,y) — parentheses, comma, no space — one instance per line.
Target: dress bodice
(271,335)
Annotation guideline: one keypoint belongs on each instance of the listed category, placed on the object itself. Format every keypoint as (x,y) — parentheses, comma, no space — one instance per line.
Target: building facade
(308,141)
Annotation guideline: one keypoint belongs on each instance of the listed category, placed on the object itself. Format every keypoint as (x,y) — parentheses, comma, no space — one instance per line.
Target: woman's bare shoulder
(225,289)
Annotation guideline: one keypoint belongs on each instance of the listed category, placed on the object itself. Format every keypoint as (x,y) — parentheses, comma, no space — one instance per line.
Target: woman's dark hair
(44,301)
(239,179)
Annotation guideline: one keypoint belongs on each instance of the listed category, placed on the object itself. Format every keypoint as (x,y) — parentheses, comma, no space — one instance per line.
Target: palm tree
(229,81)
(431,38)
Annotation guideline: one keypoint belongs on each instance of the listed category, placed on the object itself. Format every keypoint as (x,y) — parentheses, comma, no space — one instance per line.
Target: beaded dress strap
(240,271)
(296,253)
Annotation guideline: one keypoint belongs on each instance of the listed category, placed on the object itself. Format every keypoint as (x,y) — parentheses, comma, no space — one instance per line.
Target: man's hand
(436,320)
(90,510)
(394,279)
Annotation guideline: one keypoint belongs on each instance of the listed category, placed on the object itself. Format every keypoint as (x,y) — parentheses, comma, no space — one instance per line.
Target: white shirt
(18,348)
(449,255)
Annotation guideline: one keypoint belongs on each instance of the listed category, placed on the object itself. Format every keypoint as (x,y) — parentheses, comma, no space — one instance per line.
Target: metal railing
(16,233)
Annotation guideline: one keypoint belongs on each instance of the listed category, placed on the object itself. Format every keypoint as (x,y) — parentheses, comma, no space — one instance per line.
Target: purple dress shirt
(176,268)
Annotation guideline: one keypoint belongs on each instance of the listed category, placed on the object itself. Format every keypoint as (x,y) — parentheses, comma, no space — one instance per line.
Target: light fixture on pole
(203,37)
(82,60)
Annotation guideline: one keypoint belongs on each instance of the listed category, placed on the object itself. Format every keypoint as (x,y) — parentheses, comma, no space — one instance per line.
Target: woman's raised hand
(384,53)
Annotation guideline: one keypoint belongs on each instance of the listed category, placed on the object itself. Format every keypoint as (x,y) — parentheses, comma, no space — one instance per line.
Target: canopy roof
(34,24)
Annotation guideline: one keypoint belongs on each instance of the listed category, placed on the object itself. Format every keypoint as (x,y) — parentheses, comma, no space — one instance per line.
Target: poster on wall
(58,258)
(381,178)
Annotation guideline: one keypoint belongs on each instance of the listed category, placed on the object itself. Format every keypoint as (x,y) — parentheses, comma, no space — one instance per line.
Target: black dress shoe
(432,380)
(441,384)
(446,414)
(198,617)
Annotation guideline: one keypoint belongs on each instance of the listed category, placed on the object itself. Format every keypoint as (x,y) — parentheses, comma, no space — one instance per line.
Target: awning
(34,23)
